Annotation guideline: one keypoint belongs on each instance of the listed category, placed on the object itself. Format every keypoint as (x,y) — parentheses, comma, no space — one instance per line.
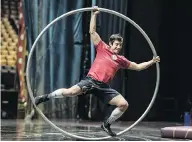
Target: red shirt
(106,63)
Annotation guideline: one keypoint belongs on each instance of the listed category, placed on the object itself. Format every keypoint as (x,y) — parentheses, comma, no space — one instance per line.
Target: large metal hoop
(83,10)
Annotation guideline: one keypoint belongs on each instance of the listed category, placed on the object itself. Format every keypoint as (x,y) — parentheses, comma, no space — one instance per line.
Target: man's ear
(110,44)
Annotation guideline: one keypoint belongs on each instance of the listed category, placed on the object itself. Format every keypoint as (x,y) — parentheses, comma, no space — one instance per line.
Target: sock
(114,115)
(56,94)
(108,109)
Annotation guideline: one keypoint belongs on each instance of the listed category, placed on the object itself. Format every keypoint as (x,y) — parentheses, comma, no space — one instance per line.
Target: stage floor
(38,130)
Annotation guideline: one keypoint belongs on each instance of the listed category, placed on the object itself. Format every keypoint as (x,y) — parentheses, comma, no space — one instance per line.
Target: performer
(106,64)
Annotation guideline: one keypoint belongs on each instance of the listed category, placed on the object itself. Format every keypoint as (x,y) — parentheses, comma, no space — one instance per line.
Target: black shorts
(100,89)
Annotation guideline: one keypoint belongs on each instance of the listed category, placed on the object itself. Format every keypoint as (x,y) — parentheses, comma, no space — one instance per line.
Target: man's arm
(144,65)
(92,30)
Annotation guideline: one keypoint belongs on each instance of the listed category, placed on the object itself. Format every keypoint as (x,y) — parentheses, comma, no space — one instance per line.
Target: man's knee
(120,102)
(123,105)
(73,91)
(69,92)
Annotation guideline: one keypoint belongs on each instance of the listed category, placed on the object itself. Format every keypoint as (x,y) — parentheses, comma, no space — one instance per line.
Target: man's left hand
(156,59)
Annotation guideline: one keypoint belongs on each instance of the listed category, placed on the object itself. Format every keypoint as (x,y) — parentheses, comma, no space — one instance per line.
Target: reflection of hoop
(82,10)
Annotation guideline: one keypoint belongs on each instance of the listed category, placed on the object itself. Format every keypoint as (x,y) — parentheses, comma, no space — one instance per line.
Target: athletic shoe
(106,128)
(41,99)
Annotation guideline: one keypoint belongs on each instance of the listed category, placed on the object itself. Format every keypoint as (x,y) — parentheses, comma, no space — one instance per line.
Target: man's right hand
(92,28)
(95,10)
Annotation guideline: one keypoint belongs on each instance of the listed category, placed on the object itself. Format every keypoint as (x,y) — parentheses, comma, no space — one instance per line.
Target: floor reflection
(38,130)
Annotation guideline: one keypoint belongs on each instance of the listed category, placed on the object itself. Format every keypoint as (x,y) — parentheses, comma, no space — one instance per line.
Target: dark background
(167,23)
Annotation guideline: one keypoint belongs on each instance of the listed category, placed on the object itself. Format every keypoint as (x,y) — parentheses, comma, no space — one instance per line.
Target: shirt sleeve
(125,63)
(100,45)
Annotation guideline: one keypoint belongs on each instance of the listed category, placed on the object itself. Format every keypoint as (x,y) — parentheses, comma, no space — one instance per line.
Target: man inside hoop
(107,62)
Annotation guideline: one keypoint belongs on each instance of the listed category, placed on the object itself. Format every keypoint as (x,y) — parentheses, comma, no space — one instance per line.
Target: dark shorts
(100,89)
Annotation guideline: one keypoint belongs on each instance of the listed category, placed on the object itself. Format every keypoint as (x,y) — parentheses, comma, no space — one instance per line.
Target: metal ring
(83,10)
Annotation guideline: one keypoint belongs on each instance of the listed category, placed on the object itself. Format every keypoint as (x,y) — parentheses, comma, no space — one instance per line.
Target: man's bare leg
(60,93)
(122,106)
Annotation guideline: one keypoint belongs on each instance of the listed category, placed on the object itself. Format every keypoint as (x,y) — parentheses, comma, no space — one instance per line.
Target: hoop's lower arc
(83,10)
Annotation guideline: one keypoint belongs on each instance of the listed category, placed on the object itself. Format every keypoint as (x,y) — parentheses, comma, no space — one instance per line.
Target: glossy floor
(38,130)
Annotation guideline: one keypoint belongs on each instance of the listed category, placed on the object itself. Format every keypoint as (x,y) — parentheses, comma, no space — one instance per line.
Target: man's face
(116,46)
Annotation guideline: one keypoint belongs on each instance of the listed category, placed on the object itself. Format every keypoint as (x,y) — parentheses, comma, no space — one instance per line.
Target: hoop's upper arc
(83,10)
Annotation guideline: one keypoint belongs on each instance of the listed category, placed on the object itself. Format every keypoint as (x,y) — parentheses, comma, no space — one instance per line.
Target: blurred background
(64,54)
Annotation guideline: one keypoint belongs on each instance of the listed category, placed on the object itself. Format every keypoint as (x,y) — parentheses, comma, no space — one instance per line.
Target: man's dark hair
(114,37)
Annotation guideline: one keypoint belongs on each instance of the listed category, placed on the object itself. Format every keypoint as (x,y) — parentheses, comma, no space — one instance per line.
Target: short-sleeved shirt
(106,63)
